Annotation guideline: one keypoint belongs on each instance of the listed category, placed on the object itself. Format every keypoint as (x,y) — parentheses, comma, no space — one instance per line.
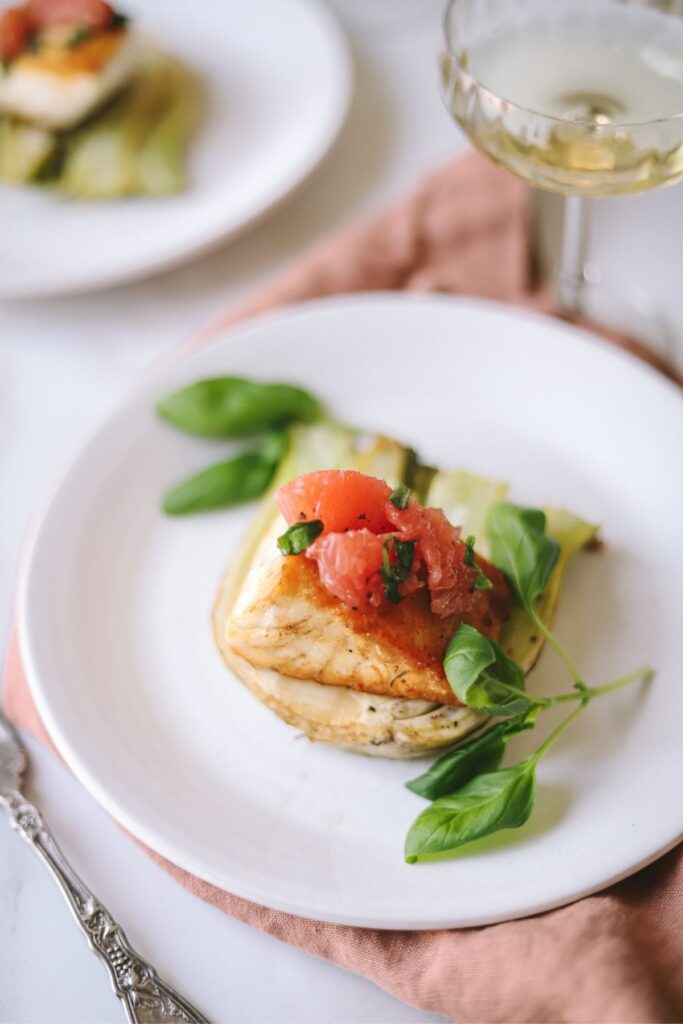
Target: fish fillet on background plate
(60,67)
(368,678)
(87,106)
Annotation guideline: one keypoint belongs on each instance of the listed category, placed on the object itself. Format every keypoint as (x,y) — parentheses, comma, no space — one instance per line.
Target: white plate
(278,78)
(115,606)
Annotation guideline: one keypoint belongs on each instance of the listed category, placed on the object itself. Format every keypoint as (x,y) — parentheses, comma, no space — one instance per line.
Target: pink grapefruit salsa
(373,553)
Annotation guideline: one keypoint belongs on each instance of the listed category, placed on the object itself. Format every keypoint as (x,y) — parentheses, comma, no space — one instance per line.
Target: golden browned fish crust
(90,57)
(360,722)
(285,620)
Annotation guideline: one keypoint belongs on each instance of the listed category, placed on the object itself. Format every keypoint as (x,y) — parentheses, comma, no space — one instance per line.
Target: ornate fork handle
(146,998)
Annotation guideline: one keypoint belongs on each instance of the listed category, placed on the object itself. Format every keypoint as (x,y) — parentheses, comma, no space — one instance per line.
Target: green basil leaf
(78,36)
(227,483)
(274,445)
(481,580)
(405,553)
(476,756)
(298,536)
(486,804)
(417,475)
(521,548)
(400,496)
(394,572)
(236,407)
(389,576)
(482,676)
(457,767)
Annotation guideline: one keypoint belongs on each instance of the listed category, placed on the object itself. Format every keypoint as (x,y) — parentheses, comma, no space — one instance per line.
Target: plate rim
(100,280)
(157,843)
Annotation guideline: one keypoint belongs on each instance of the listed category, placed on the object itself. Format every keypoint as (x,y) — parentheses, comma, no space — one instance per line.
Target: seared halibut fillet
(286,620)
(60,84)
(371,682)
(367,723)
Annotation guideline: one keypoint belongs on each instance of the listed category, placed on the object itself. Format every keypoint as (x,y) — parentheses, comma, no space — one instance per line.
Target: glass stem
(571,275)
(578,284)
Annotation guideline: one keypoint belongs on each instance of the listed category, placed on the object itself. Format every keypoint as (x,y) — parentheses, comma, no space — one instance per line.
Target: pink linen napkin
(613,957)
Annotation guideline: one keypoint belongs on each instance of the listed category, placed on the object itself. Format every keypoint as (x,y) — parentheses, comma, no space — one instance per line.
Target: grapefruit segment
(342,498)
(15,30)
(348,566)
(366,538)
(93,14)
(450,581)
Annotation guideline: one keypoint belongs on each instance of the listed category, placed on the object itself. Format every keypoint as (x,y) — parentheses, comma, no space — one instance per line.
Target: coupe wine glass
(580,97)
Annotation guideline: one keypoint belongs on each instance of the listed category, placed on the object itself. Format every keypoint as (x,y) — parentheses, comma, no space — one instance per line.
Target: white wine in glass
(582,97)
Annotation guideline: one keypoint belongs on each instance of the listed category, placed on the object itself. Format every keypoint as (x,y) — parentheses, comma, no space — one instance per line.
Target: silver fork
(145,997)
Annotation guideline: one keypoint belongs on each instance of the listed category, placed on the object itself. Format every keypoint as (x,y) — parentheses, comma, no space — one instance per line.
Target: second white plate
(278,82)
(116,600)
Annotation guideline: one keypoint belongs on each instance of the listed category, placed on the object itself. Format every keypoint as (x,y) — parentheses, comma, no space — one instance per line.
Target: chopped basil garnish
(481,580)
(395,572)
(78,36)
(405,552)
(400,496)
(298,536)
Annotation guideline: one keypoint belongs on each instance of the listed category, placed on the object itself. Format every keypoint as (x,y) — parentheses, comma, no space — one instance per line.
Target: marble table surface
(63,363)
